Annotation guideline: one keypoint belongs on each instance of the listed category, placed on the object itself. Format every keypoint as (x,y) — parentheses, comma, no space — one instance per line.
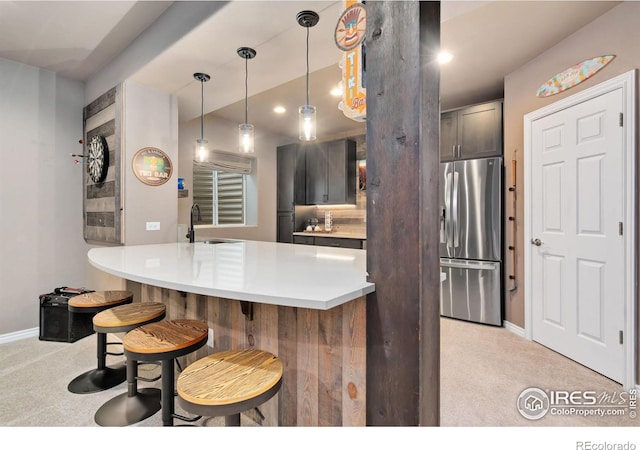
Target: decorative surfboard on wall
(573,76)
(102,204)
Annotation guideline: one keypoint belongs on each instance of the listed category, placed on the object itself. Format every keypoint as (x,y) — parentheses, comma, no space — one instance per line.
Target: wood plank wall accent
(102,204)
(323,353)
(403,123)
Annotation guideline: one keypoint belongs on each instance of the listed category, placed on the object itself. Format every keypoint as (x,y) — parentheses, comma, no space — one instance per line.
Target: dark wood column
(403,327)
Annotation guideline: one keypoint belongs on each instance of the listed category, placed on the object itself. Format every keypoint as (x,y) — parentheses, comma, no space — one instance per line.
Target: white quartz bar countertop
(302,276)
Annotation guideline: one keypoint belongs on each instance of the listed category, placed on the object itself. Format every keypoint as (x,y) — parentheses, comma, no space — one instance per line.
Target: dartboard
(98,159)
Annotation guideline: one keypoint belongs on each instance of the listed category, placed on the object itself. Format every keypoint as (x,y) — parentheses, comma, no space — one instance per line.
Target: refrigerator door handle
(448,229)
(454,210)
(469,265)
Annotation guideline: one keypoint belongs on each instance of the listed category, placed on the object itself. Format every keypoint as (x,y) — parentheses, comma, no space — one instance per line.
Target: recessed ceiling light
(336,91)
(279,109)
(444,57)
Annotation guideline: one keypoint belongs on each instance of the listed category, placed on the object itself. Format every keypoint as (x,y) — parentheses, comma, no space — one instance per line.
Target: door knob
(536,242)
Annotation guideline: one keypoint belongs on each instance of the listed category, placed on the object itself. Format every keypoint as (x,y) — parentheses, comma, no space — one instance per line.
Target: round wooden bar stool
(134,405)
(102,377)
(229,383)
(165,341)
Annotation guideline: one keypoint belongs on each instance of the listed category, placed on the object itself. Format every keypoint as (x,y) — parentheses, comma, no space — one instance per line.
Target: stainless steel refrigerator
(471,240)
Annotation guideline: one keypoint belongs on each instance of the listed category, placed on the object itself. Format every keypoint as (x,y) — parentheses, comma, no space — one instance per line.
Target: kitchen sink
(218,241)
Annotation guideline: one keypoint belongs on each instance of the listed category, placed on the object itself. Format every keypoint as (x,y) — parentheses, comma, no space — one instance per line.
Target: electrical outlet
(153,226)
(210,340)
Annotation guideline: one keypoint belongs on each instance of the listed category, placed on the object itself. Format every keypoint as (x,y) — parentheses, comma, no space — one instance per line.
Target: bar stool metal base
(97,380)
(126,410)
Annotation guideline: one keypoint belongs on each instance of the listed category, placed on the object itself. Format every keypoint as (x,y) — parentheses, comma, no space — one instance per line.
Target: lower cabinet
(330,241)
(306,240)
(286,224)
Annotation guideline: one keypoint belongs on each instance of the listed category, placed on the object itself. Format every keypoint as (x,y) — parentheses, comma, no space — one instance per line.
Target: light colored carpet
(483,371)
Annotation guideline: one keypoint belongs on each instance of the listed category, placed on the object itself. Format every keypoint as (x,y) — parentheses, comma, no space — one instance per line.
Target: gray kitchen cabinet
(338,242)
(331,173)
(471,132)
(290,176)
(330,241)
(305,240)
(286,227)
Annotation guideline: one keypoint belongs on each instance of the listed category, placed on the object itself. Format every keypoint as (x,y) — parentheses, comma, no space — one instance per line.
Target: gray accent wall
(41,193)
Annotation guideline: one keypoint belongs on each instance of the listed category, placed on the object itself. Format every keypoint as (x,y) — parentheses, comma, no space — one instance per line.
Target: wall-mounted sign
(349,37)
(152,166)
(573,76)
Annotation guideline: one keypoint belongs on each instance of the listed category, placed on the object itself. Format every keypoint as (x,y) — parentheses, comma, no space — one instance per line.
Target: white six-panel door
(576,224)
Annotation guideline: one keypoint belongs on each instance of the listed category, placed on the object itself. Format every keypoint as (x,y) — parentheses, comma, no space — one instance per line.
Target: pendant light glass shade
(307,122)
(201,152)
(307,112)
(246,138)
(246,142)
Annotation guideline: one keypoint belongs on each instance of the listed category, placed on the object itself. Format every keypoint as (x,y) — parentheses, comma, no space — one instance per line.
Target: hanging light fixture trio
(307,112)
(202,145)
(246,141)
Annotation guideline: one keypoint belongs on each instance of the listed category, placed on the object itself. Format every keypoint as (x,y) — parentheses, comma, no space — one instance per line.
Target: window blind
(226,162)
(220,195)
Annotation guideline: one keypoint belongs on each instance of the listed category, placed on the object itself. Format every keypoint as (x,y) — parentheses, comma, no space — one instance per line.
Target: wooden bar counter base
(323,353)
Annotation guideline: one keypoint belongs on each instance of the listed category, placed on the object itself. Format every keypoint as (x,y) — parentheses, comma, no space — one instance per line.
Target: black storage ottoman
(57,323)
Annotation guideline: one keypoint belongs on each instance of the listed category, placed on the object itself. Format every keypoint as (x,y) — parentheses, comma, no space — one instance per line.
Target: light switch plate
(153,226)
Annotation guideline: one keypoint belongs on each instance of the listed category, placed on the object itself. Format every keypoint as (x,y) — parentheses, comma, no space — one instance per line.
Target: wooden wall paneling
(330,348)
(323,354)
(195,308)
(307,367)
(175,306)
(102,204)
(213,312)
(354,362)
(237,324)
(221,325)
(148,294)
(262,333)
(397,211)
(288,351)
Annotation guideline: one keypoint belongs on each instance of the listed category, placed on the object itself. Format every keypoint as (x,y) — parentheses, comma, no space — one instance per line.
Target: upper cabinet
(471,132)
(331,173)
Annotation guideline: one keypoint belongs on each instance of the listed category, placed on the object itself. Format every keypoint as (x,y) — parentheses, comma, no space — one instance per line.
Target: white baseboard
(17,335)
(514,328)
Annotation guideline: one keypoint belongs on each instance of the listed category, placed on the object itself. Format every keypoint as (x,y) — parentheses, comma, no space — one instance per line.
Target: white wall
(614,33)
(223,135)
(40,191)
(177,21)
(150,120)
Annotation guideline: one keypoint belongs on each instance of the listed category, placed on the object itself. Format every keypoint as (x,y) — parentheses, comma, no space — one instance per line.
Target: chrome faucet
(191,234)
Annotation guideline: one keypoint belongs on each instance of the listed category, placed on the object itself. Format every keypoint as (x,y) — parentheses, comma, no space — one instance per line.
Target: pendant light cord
(246,91)
(201,110)
(307,65)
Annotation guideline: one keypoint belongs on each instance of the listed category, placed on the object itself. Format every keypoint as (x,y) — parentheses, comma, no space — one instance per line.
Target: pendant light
(307,112)
(245,130)
(202,145)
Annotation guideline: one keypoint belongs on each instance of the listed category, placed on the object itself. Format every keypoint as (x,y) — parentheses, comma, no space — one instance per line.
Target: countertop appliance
(471,240)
